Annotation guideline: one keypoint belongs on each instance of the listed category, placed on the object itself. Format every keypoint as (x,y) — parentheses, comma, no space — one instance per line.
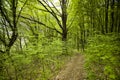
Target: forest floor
(72,70)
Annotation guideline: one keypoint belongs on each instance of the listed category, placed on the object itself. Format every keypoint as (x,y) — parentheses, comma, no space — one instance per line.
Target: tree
(59,15)
(106,15)
(9,20)
(112,15)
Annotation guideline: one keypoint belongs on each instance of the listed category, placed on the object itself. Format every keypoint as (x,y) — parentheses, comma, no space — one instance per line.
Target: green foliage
(31,34)
(40,60)
(102,57)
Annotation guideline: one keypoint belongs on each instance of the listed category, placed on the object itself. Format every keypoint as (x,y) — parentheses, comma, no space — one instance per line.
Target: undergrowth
(40,60)
(103,57)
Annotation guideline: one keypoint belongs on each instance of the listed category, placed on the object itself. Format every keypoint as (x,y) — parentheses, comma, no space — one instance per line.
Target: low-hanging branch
(41,23)
(46,11)
(21,11)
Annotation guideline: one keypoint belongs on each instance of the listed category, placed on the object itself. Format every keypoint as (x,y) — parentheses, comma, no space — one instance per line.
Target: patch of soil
(73,70)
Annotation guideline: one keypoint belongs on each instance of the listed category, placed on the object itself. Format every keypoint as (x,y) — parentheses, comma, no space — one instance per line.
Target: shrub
(103,57)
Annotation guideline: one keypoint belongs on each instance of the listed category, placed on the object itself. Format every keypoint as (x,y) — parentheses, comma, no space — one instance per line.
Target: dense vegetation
(38,36)
(102,57)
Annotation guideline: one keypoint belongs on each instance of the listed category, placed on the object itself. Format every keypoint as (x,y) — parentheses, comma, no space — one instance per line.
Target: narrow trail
(73,70)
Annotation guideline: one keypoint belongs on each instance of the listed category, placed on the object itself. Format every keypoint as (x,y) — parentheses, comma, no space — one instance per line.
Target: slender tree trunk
(112,15)
(106,15)
(118,16)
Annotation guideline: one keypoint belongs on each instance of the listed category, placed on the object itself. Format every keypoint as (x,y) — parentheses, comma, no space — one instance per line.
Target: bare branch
(55,8)
(51,12)
(21,11)
(5,25)
(41,9)
(41,23)
(5,16)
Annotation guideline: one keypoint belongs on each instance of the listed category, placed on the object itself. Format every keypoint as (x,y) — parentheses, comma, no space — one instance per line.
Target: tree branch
(4,15)
(41,23)
(51,12)
(21,11)
(55,8)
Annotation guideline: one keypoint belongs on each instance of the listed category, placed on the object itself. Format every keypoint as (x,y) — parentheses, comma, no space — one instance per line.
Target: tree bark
(112,15)
(64,20)
(118,16)
(106,15)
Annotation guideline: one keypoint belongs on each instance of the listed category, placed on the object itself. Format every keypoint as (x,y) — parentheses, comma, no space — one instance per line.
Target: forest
(39,37)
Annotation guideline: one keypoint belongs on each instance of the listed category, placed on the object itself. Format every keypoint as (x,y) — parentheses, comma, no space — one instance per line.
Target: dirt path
(73,70)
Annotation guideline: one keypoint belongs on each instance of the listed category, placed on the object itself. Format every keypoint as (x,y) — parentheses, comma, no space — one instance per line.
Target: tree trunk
(112,15)
(64,20)
(106,15)
(118,16)
(64,36)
